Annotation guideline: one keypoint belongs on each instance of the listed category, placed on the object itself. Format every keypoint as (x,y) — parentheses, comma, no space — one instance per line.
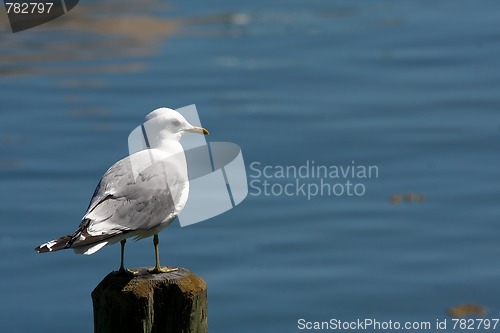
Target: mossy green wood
(172,302)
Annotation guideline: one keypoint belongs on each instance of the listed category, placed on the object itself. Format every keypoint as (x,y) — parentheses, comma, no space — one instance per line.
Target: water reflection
(93,31)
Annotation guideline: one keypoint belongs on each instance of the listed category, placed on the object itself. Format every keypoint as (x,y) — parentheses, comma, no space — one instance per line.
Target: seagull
(139,195)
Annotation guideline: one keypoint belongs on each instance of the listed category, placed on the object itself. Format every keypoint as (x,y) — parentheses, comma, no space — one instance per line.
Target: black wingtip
(54,245)
(41,249)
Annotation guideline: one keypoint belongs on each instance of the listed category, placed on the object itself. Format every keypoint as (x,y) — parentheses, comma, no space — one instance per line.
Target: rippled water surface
(409,87)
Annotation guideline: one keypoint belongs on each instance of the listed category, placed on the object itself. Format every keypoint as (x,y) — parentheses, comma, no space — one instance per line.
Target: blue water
(410,87)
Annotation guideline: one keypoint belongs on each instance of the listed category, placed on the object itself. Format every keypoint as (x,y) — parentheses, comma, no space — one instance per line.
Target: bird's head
(165,123)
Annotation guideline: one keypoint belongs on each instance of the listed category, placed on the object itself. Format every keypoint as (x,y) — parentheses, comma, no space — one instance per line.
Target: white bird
(139,195)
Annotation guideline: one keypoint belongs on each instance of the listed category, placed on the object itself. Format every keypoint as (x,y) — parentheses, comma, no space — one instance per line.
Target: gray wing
(124,201)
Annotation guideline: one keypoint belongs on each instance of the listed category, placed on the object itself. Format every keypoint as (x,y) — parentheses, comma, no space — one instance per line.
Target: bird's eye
(176,123)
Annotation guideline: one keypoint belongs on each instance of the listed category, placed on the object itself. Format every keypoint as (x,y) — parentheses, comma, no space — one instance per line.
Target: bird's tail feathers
(81,242)
(54,245)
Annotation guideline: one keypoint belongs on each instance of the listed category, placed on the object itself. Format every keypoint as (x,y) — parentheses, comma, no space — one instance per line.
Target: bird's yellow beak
(199,130)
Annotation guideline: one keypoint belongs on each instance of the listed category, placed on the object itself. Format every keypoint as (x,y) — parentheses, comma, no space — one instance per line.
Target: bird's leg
(122,269)
(158,268)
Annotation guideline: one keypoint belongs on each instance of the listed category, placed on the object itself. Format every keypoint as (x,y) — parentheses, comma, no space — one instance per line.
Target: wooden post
(174,302)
